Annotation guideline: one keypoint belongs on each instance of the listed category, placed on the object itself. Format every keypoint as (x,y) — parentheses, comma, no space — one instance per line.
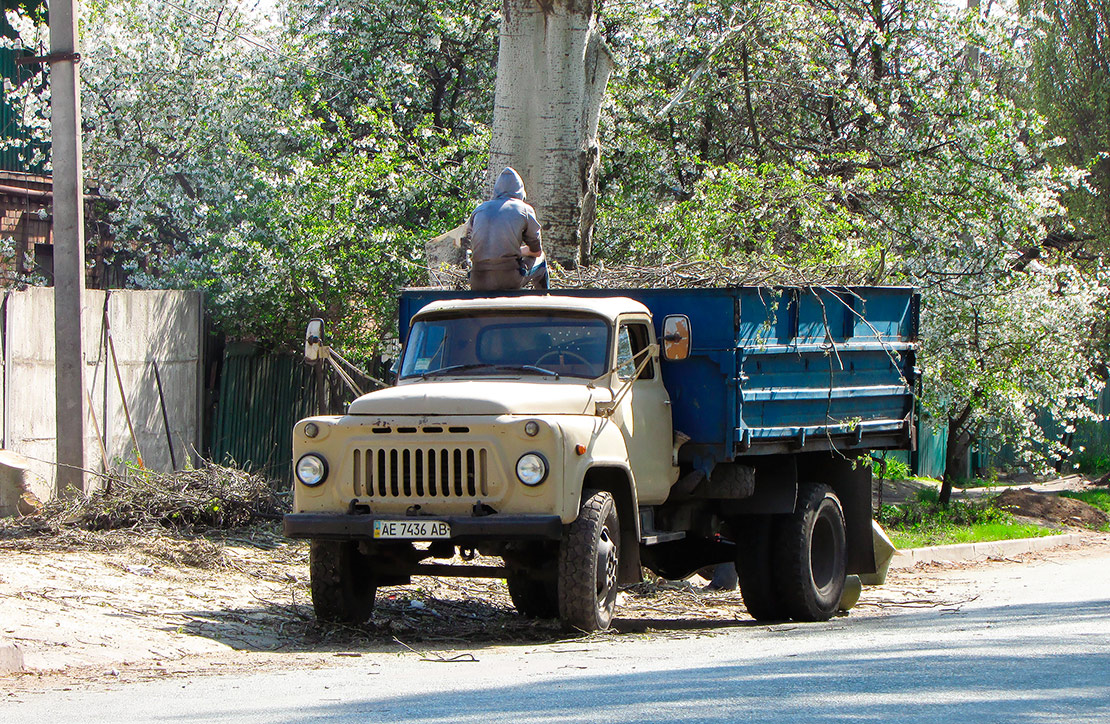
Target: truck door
(644,415)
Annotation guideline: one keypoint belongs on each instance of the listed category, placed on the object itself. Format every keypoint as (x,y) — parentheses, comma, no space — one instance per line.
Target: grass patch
(977,483)
(923,522)
(1098,498)
(975,533)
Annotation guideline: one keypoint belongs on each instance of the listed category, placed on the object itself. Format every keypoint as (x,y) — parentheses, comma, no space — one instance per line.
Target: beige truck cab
(533,428)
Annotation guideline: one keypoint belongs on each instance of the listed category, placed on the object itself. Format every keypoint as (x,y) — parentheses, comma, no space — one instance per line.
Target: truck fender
(850,479)
(617,481)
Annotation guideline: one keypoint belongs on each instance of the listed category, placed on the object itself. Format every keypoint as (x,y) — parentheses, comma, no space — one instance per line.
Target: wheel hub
(606,566)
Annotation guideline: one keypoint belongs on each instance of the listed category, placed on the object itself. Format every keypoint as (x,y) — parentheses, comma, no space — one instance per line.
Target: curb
(11,658)
(980,551)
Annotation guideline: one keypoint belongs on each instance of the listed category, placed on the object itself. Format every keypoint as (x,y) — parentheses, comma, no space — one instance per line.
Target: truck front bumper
(464,528)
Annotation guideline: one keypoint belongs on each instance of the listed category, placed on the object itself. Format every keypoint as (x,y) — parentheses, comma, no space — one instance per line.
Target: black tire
(343,582)
(810,556)
(588,559)
(533,597)
(753,567)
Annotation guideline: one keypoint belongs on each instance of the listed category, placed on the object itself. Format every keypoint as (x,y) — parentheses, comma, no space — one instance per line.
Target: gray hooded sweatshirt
(498,227)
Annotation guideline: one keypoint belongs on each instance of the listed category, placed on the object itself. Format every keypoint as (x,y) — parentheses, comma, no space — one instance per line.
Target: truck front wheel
(343,582)
(810,557)
(588,558)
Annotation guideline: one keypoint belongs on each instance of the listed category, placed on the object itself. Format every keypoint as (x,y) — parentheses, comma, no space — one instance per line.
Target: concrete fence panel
(149,329)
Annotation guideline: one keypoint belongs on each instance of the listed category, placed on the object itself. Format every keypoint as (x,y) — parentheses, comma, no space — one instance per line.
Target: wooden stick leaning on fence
(122,394)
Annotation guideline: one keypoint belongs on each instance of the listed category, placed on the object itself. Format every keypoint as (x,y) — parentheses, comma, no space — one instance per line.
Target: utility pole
(69,246)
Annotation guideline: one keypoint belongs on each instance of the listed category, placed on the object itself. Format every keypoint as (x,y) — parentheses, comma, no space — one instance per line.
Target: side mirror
(313,340)
(676,337)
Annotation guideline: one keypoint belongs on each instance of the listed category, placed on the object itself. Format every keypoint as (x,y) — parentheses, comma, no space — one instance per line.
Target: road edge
(980,551)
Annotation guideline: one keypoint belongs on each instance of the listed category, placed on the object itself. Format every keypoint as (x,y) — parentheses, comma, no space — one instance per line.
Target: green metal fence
(20,150)
(260,396)
(932,442)
(1094,437)
(1090,442)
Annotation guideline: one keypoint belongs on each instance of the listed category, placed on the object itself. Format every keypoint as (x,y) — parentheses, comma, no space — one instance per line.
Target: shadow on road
(472,623)
(979,664)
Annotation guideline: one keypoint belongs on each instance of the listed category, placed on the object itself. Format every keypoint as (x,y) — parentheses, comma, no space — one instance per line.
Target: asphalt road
(1024,643)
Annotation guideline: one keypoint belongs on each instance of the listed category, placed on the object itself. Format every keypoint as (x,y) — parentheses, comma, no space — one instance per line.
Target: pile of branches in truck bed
(689,274)
(209,497)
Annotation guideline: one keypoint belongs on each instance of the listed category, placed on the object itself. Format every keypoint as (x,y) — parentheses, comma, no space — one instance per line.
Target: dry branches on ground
(208,497)
(678,275)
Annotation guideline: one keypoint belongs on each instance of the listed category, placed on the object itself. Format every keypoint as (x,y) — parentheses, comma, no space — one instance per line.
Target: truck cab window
(632,340)
(500,344)
(427,344)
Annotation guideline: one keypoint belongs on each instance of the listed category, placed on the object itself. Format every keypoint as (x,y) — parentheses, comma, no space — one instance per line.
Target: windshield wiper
(454,368)
(536,370)
(483,365)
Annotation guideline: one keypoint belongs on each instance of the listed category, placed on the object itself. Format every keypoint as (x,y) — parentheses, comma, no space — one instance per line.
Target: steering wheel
(562,353)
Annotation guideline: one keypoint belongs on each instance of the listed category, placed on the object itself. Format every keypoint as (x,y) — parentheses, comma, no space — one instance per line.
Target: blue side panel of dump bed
(826,368)
(777,370)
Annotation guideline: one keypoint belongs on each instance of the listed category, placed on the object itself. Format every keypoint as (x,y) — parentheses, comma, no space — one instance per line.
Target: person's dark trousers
(496,280)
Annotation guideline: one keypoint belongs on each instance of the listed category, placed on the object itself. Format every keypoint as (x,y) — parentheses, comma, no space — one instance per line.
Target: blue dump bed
(777,370)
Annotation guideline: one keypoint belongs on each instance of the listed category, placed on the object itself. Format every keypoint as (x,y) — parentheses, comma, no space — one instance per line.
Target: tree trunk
(955,455)
(1067,439)
(552,69)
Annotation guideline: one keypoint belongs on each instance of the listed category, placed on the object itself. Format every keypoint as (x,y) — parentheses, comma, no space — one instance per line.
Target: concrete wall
(148,327)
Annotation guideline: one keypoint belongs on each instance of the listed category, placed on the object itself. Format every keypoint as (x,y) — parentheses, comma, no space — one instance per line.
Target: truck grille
(449,472)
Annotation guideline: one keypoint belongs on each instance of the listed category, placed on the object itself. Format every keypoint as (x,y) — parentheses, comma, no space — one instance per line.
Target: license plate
(412,529)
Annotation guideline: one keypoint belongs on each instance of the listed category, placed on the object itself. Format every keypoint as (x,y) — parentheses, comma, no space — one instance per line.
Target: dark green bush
(1093,464)
(925,510)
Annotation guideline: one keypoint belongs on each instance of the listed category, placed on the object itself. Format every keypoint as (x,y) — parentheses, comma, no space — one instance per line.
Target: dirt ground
(96,607)
(1052,508)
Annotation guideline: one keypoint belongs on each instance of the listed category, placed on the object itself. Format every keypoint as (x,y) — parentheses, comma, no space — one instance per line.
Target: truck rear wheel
(588,558)
(343,582)
(753,567)
(810,557)
(533,597)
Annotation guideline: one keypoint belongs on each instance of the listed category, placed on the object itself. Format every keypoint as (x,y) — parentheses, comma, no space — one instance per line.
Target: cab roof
(608,307)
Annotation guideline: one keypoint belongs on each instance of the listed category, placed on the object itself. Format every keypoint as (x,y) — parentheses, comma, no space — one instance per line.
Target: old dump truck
(581,435)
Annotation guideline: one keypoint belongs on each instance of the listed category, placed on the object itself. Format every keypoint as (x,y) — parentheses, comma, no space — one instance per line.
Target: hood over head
(509,185)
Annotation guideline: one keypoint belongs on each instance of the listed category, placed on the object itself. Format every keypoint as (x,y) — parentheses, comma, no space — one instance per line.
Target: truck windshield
(501,344)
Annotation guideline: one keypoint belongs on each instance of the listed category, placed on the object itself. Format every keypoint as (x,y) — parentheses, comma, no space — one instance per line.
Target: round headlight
(531,428)
(531,469)
(312,469)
